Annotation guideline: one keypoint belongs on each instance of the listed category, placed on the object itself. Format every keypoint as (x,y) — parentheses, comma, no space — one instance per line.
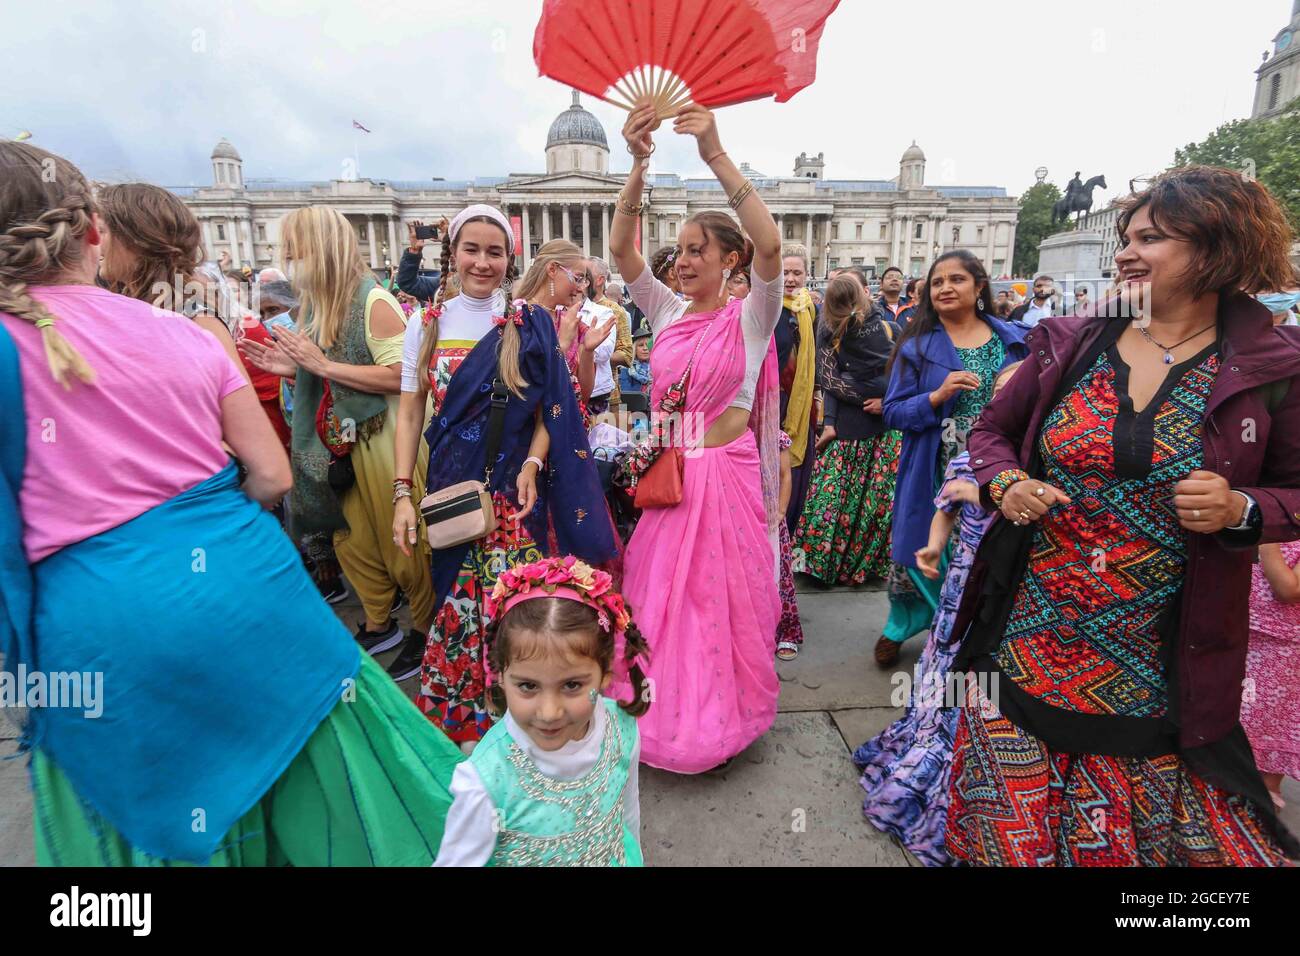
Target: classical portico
(872,223)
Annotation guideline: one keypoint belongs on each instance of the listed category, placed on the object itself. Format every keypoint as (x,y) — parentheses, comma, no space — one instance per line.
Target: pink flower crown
(567,578)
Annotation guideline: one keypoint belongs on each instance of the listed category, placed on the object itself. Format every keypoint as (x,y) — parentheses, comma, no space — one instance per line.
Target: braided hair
(511,373)
(160,234)
(573,624)
(45,211)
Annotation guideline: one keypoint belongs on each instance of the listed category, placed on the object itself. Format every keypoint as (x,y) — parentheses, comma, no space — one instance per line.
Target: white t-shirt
(759,314)
(593,314)
(463,323)
(470,834)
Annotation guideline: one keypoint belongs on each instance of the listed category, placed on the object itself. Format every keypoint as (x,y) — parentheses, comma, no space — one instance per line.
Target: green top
(986,361)
(547,822)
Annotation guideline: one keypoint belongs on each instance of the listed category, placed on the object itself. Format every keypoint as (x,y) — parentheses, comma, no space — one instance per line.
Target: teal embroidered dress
(543,821)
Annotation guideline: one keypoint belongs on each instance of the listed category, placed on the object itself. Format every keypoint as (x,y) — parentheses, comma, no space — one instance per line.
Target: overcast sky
(990,90)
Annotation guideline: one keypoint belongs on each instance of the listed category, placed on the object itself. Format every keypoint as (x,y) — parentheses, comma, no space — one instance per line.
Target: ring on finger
(1040,492)
(1196,514)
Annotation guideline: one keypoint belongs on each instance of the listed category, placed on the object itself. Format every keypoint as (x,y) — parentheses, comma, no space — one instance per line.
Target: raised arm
(755,219)
(627,209)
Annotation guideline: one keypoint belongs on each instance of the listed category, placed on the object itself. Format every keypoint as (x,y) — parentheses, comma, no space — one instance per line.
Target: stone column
(586,231)
(236,257)
(808,238)
(546,223)
(209,249)
(526,253)
(1011,251)
(394,248)
(248,243)
(374,241)
(826,246)
(564,223)
(604,229)
(992,229)
(780,227)
(894,223)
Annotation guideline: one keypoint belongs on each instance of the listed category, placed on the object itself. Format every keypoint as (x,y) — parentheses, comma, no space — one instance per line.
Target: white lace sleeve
(762,307)
(659,303)
(411,353)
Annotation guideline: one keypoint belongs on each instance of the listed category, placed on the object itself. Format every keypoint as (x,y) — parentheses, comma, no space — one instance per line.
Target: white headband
(490,212)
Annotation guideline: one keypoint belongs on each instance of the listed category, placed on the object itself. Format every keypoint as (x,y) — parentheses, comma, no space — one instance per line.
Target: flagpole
(356,151)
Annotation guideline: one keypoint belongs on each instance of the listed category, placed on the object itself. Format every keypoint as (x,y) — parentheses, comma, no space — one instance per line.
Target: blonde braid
(36,249)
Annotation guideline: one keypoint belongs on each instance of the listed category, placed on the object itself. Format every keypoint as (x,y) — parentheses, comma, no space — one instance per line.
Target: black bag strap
(496,421)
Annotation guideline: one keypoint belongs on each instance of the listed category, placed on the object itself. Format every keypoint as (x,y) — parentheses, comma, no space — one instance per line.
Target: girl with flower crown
(544,480)
(555,783)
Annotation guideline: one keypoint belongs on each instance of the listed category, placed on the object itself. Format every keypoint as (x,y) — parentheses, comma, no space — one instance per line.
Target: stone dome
(576,126)
(223,150)
(914,153)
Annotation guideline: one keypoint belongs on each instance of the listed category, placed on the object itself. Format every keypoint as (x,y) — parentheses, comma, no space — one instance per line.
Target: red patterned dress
(453,690)
(1087,645)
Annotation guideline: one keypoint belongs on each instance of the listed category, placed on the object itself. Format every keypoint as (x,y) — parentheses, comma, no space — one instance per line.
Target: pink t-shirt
(148,428)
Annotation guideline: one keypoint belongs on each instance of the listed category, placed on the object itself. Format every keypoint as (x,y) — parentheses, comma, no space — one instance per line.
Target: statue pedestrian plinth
(1074,255)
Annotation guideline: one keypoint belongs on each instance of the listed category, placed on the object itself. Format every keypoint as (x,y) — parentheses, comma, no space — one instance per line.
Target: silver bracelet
(540,464)
(400,492)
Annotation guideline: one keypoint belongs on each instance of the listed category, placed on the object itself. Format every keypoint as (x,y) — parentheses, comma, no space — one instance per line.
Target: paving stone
(791,799)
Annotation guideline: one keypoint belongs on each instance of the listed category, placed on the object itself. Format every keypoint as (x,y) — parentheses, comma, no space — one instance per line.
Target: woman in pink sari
(702,574)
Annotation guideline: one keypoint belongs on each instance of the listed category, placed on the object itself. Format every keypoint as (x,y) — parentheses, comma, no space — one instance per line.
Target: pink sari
(700,577)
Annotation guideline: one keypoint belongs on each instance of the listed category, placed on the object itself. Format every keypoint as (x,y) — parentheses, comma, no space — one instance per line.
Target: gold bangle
(741,194)
(625,207)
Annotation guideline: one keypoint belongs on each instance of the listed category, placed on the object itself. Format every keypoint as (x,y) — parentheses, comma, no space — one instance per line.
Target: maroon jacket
(1214,623)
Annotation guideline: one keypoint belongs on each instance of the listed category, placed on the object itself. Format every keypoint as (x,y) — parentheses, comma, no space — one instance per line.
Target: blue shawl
(569,492)
(218,657)
(15,575)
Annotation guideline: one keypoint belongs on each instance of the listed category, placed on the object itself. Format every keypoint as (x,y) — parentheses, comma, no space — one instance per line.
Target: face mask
(1279,302)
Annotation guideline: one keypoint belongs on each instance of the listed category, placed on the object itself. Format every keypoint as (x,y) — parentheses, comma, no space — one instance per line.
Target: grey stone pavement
(792,798)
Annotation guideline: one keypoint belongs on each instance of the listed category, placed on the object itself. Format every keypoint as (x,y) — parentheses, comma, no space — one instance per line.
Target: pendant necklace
(1169,350)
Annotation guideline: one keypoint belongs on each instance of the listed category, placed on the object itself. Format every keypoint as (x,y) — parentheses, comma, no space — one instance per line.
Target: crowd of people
(1068,507)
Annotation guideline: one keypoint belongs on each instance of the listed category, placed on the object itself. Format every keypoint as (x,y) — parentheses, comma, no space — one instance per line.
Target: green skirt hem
(371,787)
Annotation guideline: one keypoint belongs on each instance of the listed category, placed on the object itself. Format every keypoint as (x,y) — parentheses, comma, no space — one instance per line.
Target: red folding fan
(672,52)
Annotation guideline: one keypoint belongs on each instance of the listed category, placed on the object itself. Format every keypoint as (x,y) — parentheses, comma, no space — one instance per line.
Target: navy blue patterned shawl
(568,490)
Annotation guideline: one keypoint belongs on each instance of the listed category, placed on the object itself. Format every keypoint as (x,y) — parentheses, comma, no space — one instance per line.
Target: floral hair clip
(566,578)
(514,313)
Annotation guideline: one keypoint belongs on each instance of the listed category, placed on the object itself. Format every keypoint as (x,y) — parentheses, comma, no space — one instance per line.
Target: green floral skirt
(843,533)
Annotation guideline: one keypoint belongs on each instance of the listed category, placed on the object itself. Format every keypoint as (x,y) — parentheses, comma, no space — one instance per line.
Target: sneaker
(399,602)
(333,591)
(407,662)
(376,642)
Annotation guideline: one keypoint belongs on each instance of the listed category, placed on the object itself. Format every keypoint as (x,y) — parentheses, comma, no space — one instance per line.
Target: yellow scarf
(799,412)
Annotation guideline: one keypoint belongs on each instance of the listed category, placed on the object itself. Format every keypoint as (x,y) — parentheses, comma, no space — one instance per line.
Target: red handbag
(661,485)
